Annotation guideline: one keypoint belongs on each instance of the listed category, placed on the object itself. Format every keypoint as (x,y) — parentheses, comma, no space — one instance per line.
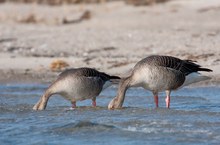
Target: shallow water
(194,118)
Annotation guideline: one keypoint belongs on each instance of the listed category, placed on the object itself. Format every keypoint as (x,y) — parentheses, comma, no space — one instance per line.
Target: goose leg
(73,104)
(94,102)
(156,100)
(168,99)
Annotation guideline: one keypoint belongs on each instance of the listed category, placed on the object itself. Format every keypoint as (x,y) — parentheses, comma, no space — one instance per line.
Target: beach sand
(111,37)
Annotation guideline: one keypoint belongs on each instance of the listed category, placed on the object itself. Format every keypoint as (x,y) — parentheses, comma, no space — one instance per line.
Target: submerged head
(118,101)
(115,104)
(42,103)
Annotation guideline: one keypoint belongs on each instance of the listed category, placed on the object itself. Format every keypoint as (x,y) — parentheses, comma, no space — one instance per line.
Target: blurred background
(40,38)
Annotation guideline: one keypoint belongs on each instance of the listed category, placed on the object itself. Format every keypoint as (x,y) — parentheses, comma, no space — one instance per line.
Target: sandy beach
(110,37)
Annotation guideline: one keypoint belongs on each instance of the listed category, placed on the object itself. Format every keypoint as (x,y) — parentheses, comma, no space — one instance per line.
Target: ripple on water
(192,119)
(83,126)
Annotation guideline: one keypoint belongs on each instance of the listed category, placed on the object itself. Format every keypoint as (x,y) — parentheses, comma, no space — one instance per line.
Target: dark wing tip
(115,77)
(189,60)
(205,69)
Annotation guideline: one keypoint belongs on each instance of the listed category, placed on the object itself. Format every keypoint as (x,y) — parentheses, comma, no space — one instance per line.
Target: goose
(77,84)
(158,73)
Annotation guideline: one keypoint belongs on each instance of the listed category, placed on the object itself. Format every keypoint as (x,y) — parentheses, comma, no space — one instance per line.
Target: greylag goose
(159,73)
(77,84)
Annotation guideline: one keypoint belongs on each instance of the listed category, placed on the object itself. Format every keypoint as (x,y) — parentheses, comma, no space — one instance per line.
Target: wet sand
(112,38)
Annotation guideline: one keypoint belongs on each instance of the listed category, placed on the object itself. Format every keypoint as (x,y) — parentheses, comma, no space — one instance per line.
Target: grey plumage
(159,73)
(87,72)
(77,84)
(184,66)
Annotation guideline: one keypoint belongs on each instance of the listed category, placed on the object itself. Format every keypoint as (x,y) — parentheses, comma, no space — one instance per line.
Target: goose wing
(184,66)
(87,72)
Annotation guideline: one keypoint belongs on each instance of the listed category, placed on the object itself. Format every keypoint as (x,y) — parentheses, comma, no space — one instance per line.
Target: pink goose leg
(167,99)
(156,101)
(73,105)
(94,102)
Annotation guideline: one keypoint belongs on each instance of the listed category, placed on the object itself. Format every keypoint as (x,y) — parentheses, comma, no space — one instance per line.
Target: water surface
(194,118)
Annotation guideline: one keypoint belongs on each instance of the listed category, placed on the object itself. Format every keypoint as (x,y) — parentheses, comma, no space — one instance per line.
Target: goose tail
(115,79)
(204,69)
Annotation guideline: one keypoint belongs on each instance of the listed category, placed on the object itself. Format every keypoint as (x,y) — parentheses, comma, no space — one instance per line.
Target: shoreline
(111,37)
(47,77)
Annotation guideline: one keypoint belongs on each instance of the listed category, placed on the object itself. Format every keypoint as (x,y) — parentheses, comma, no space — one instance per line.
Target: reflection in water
(192,119)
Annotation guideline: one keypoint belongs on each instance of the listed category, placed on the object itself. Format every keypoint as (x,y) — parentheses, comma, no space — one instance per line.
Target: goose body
(77,85)
(159,73)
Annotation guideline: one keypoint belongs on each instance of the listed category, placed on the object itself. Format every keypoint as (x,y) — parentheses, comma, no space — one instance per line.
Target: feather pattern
(184,66)
(86,72)
(160,73)
(77,84)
